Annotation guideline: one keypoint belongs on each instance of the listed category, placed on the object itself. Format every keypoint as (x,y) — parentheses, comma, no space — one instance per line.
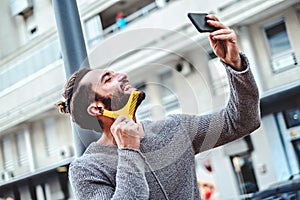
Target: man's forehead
(92,76)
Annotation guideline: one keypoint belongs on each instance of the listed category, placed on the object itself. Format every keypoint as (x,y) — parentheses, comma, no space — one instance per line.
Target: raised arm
(239,118)
(241,115)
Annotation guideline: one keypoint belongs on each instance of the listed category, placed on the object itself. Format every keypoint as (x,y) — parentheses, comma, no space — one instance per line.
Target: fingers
(119,119)
(214,21)
(223,34)
(212,17)
(224,42)
(126,133)
(120,123)
(125,125)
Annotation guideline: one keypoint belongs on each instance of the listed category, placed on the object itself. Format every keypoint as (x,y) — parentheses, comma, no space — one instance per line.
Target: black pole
(74,56)
(70,35)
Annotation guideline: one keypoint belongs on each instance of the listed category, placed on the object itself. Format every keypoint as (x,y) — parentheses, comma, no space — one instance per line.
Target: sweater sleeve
(91,180)
(131,181)
(239,118)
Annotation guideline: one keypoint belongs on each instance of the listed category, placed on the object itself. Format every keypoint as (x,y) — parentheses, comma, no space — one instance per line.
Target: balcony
(284,61)
(160,27)
(31,79)
(106,24)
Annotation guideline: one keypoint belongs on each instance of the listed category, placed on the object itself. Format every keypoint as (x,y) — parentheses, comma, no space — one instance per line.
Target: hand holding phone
(199,21)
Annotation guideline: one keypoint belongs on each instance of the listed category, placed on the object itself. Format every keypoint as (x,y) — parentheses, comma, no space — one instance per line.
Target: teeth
(127,87)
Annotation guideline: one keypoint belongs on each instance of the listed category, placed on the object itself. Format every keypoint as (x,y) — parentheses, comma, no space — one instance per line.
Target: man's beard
(120,99)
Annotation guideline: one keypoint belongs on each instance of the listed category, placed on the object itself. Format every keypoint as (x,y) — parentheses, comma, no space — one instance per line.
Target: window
(169,99)
(93,29)
(50,136)
(218,75)
(282,54)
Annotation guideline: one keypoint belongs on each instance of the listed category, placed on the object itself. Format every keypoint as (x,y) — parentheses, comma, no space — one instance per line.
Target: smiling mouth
(125,86)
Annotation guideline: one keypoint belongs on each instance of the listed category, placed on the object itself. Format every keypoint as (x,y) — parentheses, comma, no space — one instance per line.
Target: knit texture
(164,168)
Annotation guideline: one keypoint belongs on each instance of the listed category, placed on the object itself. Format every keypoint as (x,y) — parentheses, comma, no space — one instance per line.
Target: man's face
(107,84)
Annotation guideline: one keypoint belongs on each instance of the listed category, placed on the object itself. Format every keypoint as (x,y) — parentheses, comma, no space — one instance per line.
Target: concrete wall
(224,173)
(1,161)
(262,161)
(269,79)
(43,12)
(40,158)
(63,128)
(10,30)
(35,95)
(63,136)
(287,138)
(39,141)
(17,28)
(279,160)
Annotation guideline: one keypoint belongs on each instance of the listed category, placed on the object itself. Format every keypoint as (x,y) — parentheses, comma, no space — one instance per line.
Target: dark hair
(77,99)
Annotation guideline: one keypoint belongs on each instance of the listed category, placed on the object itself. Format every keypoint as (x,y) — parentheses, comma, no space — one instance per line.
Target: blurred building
(164,55)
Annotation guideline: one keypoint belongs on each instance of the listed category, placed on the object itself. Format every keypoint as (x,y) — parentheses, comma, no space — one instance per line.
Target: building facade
(165,56)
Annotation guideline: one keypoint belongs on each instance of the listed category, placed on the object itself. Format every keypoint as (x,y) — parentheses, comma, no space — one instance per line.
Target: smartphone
(199,21)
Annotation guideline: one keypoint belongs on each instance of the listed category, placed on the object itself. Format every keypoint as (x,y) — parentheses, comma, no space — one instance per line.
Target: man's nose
(122,76)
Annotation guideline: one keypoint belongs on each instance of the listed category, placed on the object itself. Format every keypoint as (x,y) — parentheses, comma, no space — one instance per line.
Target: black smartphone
(199,21)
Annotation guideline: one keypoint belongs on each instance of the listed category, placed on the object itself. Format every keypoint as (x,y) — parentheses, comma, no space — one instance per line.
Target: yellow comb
(128,110)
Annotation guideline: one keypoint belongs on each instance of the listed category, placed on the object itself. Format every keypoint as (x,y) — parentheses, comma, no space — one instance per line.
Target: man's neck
(107,139)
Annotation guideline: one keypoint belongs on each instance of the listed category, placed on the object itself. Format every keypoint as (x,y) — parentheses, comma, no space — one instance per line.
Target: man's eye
(108,79)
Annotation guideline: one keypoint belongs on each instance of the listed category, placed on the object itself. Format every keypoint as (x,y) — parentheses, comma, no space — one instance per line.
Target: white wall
(269,79)
(278,159)
(262,161)
(287,141)
(32,96)
(9,32)
(224,175)
(43,12)
(63,136)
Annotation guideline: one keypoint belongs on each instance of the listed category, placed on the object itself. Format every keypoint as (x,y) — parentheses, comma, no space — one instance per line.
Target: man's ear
(93,109)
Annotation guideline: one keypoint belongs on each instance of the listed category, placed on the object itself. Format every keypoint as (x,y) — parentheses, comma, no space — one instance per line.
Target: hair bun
(62,107)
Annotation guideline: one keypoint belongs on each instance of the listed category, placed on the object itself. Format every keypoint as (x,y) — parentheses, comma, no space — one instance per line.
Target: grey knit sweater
(164,167)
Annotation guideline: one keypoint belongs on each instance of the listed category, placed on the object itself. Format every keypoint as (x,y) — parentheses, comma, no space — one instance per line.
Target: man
(154,159)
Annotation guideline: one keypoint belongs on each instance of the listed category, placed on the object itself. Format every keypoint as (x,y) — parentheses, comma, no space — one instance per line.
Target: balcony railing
(26,66)
(283,61)
(129,19)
